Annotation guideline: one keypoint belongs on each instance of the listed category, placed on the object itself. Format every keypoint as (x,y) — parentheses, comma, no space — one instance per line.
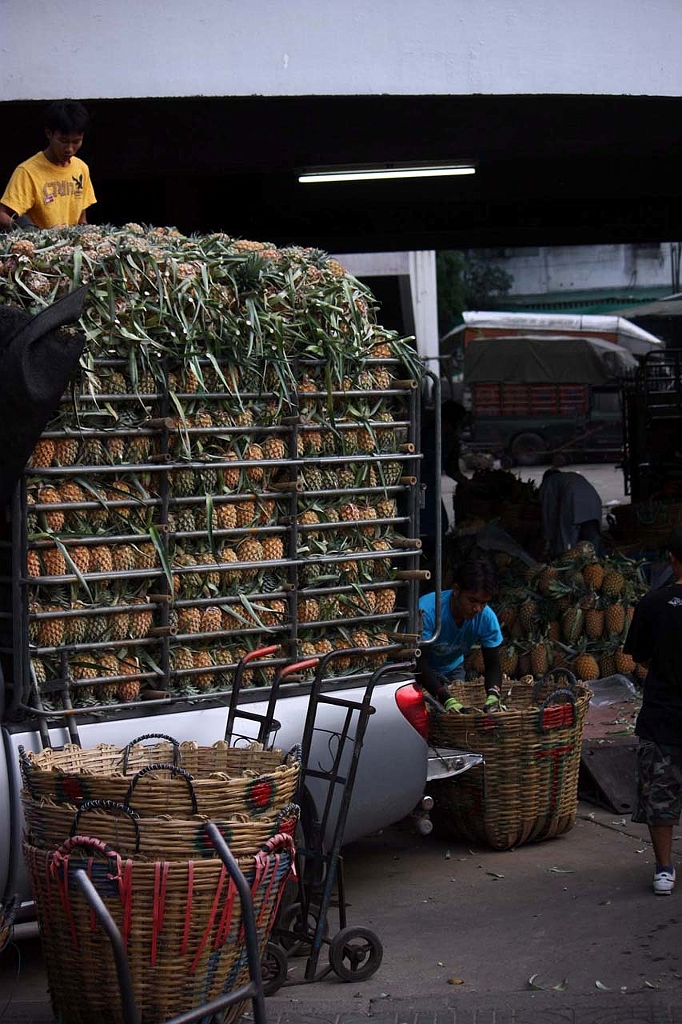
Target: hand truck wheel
(293,933)
(274,967)
(355,953)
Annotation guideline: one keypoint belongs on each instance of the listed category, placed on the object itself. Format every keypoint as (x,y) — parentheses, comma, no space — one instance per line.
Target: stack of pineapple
(572,613)
(226,473)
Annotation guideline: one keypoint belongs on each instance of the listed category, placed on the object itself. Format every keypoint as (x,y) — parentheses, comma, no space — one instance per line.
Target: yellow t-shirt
(49,194)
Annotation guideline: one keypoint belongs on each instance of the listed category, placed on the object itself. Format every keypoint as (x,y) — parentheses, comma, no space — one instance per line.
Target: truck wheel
(528,449)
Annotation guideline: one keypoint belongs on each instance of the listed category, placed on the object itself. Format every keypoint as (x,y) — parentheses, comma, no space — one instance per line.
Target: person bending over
(466,620)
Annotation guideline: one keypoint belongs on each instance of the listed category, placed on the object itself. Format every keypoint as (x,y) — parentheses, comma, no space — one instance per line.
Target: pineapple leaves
(157,541)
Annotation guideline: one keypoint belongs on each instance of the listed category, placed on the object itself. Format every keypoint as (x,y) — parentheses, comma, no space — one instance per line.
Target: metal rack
(51,649)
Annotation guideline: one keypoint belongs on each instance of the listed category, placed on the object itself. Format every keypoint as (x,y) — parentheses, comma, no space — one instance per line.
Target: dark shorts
(659,784)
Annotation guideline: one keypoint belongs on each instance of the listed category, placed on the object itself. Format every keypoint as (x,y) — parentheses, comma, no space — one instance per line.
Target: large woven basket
(527,788)
(49,824)
(167,778)
(181,922)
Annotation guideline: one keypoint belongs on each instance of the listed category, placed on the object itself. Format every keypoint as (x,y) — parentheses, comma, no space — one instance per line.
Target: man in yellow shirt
(52,188)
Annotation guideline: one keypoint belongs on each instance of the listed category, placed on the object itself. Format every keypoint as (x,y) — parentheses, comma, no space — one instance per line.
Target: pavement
(566,931)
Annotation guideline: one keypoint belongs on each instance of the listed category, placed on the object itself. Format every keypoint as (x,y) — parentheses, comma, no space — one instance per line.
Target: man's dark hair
(67,116)
(477,575)
(674,544)
(549,472)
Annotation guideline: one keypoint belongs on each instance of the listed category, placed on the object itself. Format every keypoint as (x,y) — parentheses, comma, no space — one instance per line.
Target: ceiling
(551,169)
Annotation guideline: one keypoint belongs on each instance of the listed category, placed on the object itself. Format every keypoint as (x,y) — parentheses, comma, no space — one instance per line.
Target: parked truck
(235,469)
(554,398)
(542,402)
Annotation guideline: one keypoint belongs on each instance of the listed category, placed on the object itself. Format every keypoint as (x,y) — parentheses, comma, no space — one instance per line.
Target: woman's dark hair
(67,116)
(477,575)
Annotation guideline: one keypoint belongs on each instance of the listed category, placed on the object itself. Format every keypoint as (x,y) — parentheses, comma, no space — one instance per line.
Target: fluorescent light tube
(378,173)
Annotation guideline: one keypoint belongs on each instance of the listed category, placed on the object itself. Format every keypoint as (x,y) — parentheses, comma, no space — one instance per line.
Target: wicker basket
(181,923)
(49,824)
(180,780)
(527,789)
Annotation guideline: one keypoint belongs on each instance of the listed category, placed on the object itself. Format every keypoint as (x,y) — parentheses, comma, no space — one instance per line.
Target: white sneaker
(664,882)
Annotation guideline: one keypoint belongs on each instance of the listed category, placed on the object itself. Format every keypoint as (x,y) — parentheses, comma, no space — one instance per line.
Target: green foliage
(468,280)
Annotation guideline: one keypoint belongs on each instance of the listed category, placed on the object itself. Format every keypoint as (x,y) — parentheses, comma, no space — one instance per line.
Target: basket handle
(549,677)
(107,805)
(291,812)
(151,736)
(542,727)
(90,844)
(174,770)
(295,753)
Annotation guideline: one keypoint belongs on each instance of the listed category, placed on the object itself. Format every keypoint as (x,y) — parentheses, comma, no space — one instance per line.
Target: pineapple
(548,575)
(613,583)
(204,680)
(101,561)
(249,550)
(211,619)
(509,659)
(51,631)
(109,665)
(146,555)
(593,574)
(385,601)
(54,521)
(43,453)
(116,449)
(140,622)
(274,612)
(182,482)
(181,660)
(273,548)
(129,689)
(615,618)
(123,557)
(307,610)
(585,667)
(254,474)
(246,512)
(528,613)
(572,624)
(66,450)
(624,662)
(594,623)
(84,670)
(540,658)
(53,563)
(226,516)
(231,477)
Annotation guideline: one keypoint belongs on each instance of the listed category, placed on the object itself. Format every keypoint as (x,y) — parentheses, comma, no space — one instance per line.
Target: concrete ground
(566,930)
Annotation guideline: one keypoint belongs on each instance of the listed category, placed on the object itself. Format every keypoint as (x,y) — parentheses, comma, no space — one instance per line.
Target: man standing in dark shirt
(655,640)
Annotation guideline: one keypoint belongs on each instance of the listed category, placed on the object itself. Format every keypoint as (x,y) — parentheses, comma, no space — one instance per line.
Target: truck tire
(528,449)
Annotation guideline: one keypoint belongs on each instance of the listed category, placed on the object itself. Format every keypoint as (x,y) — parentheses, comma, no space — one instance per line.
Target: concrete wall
(585,267)
(127,48)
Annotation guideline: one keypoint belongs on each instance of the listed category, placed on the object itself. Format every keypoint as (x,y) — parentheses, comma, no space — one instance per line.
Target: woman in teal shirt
(466,620)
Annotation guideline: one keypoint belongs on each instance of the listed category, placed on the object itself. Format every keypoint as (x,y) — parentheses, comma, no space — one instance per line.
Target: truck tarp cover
(548,360)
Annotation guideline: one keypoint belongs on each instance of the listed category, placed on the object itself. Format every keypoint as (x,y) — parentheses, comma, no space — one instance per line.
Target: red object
(411,704)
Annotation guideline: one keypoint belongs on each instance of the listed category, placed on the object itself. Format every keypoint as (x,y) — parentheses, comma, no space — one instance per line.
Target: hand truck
(355,952)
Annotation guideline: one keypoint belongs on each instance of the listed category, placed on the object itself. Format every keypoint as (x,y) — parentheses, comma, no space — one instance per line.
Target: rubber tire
(290,920)
(528,449)
(345,946)
(274,968)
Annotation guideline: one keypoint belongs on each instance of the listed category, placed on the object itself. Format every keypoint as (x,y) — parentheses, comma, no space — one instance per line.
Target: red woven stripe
(211,920)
